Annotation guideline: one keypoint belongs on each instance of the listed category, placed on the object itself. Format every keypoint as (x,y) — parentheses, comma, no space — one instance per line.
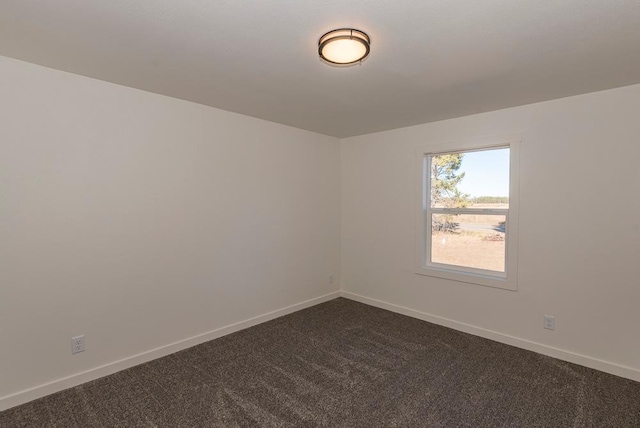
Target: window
(467,220)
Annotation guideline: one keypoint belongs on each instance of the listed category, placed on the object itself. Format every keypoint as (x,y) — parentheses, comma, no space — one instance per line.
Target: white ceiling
(430,59)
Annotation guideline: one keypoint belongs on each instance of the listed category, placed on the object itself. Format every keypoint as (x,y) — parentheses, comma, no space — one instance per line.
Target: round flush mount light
(344,46)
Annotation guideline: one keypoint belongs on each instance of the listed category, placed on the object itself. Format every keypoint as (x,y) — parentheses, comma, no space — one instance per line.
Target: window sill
(469,278)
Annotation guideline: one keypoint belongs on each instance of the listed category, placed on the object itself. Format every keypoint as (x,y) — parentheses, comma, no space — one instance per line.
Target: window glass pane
(474,241)
(474,179)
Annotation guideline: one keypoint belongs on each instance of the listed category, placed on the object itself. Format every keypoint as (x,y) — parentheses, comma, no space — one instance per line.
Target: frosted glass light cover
(344,51)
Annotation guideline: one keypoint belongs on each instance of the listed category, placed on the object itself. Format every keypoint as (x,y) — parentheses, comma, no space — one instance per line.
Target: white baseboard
(561,354)
(30,394)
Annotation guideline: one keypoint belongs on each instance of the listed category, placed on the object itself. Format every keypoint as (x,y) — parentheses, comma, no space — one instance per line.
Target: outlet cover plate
(77,344)
(549,322)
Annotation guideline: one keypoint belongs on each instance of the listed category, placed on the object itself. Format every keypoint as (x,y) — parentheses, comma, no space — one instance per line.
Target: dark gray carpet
(344,364)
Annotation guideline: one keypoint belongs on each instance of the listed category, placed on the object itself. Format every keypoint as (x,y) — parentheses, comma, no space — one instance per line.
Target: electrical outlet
(77,344)
(549,322)
(331,279)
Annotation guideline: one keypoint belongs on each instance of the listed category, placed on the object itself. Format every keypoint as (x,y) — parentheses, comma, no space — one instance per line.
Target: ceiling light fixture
(344,46)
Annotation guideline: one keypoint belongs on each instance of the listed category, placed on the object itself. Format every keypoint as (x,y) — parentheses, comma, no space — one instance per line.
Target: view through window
(467,212)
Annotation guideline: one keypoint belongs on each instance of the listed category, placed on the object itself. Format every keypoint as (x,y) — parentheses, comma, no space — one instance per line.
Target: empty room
(319,214)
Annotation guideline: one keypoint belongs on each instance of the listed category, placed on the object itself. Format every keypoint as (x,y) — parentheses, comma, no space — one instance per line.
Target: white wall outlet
(331,279)
(77,344)
(549,322)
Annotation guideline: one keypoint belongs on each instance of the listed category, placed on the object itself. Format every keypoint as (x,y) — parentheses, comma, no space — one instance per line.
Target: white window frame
(506,280)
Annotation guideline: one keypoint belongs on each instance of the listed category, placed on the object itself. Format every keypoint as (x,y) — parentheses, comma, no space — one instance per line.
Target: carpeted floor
(344,364)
